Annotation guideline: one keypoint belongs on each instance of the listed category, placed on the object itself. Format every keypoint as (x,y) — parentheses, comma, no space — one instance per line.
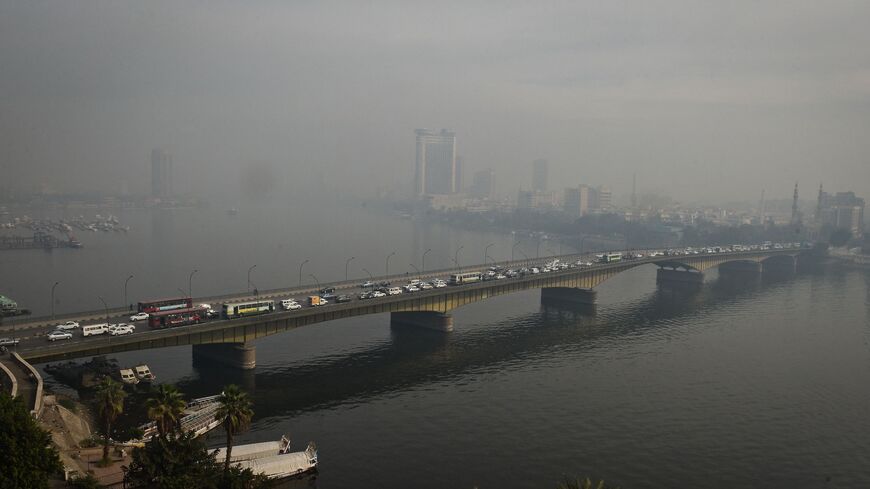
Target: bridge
(229,341)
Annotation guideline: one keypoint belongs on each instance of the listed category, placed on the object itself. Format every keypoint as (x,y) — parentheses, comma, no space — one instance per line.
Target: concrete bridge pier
(436,321)
(669,276)
(567,296)
(242,356)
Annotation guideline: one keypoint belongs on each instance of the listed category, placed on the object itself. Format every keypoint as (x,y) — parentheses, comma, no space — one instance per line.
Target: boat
(273,458)
(128,377)
(143,373)
(199,418)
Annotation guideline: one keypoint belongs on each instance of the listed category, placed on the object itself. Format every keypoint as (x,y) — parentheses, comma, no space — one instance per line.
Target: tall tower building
(436,171)
(161,174)
(540,175)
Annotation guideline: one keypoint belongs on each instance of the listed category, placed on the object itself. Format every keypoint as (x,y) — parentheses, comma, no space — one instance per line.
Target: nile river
(743,383)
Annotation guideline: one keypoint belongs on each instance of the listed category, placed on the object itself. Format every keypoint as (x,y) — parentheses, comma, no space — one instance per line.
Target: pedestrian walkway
(26,383)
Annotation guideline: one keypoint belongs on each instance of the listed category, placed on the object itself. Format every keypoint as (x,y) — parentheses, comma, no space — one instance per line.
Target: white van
(92,329)
(394,291)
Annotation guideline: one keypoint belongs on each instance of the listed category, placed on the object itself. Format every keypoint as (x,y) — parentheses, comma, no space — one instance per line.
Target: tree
(577,483)
(235,414)
(182,462)
(110,403)
(27,458)
(165,407)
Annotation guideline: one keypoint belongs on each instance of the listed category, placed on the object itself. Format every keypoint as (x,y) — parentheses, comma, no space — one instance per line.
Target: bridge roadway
(228,341)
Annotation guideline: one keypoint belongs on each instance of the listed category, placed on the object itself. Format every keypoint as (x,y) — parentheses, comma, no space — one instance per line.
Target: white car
(122,329)
(439,284)
(68,325)
(293,306)
(59,335)
(411,288)
(139,317)
(378,293)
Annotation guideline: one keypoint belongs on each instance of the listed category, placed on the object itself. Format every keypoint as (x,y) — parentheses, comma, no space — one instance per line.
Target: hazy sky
(704,100)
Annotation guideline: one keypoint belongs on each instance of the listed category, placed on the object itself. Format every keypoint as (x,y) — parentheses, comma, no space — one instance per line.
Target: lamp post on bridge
(423,265)
(317,282)
(190,283)
(346,264)
(416,269)
(249,276)
(513,248)
(524,255)
(127,304)
(371,277)
(52,300)
(300,271)
(538,252)
(486,252)
(388,263)
(456,257)
(106,307)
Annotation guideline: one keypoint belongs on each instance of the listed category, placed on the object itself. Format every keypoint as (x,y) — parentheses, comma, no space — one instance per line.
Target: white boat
(128,377)
(273,458)
(199,418)
(143,373)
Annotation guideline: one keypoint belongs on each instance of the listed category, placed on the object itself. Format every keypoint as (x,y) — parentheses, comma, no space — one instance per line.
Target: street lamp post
(249,276)
(388,263)
(125,292)
(315,280)
(106,307)
(513,248)
(415,269)
(346,264)
(486,252)
(300,271)
(524,255)
(423,265)
(190,284)
(52,300)
(371,277)
(538,253)
(456,257)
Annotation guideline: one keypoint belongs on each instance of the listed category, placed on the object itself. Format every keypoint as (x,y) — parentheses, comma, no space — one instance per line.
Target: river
(744,382)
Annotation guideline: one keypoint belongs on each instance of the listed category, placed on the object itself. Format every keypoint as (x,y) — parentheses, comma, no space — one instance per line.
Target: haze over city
(708,102)
(477,244)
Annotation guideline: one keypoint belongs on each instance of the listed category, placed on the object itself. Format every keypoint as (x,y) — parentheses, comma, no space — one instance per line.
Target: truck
(316,300)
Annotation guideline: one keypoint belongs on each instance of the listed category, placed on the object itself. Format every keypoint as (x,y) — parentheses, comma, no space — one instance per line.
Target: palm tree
(235,414)
(110,403)
(165,407)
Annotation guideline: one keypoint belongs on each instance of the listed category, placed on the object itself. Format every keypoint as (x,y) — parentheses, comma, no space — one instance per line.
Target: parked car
(139,317)
(67,326)
(59,335)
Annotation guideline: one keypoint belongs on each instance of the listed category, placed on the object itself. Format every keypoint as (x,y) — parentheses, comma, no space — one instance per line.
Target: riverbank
(69,423)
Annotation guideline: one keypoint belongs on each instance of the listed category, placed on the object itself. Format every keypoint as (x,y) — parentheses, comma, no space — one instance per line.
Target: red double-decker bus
(177,317)
(166,304)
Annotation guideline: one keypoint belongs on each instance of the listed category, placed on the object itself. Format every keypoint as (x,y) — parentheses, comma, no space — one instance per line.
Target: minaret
(795,218)
(761,208)
(818,216)
(634,191)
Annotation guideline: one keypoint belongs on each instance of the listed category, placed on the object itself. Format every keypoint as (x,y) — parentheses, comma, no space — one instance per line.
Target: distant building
(576,201)
(841,210)
(483,184)
(161,174)
(436,171)
(540,175)
(532,199)
(603,198)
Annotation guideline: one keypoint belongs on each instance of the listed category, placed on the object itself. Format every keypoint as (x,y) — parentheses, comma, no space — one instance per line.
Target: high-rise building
(435,171)
(161,174)
(540,175)
(603,197)
(483,184)
(842,210)
(576,202)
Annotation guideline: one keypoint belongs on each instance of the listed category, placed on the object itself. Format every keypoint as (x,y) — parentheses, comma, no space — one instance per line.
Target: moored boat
(273,459)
